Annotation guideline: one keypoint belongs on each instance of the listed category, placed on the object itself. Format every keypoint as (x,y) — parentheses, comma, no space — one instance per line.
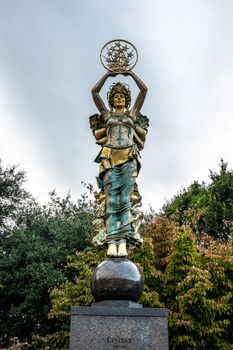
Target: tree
(12,195)
(219,212)
(75,290)
(206,208)
(198,293)
(35,243)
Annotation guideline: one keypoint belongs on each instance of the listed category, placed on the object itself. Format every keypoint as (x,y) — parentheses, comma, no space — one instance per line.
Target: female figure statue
(121,132)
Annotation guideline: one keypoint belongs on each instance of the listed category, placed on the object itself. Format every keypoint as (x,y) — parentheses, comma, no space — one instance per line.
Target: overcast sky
(49,61)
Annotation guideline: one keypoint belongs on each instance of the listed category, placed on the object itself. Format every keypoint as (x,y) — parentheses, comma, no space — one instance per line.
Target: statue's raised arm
(96,93)
(141,96)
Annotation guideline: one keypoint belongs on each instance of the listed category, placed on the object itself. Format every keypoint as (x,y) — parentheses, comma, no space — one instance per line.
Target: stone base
(118,326)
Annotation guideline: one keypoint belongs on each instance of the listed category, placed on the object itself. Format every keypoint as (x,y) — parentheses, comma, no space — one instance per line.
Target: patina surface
(121,133)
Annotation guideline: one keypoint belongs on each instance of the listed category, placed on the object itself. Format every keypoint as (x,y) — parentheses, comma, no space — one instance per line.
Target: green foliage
(163,233)
(184,257)
(219,213)
(143,259)
(207,209)
(35,242)
(74,291)
(13,196)
(199,317)
(217,259)
(194,281)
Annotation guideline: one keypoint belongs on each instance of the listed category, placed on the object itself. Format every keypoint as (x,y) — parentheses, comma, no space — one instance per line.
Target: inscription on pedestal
(119,343)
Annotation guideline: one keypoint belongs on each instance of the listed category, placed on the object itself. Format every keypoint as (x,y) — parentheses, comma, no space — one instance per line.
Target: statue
(121,132)
(116,319)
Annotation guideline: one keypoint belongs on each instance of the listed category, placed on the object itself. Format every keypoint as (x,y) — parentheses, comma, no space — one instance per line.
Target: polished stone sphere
(117,279)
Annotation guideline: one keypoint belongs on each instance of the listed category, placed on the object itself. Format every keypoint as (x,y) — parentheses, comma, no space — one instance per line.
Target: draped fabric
(121,138)
(119,184)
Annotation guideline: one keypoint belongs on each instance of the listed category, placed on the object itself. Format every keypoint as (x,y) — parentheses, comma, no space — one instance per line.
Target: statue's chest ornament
(120,119)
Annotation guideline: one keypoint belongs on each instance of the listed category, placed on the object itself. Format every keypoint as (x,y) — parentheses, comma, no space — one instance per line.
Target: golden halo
(118,55)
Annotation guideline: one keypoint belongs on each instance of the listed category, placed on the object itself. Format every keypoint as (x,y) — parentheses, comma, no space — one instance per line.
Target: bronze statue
(121,133)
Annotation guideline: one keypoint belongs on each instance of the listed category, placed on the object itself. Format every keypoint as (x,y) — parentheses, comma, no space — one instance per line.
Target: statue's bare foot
(112,250)
(122,250)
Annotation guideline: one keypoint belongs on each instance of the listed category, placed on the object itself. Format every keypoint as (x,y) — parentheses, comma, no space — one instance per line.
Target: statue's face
(119,100)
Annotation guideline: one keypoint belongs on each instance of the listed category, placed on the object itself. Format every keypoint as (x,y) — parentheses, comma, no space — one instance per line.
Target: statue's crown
(119,88)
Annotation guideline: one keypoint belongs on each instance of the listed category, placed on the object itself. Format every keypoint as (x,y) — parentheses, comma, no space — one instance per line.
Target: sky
(49,61)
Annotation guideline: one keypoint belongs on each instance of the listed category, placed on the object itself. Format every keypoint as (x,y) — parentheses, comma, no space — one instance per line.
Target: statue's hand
(127,72)
(112,74)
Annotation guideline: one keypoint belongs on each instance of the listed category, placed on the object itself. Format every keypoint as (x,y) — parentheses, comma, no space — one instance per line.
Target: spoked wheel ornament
(119,55)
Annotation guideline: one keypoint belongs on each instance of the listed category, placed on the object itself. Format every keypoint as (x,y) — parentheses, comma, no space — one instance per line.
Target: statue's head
(119,95)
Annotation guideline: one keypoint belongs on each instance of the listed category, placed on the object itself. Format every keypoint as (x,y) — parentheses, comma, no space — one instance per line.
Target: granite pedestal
(116,320)
(118,326)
